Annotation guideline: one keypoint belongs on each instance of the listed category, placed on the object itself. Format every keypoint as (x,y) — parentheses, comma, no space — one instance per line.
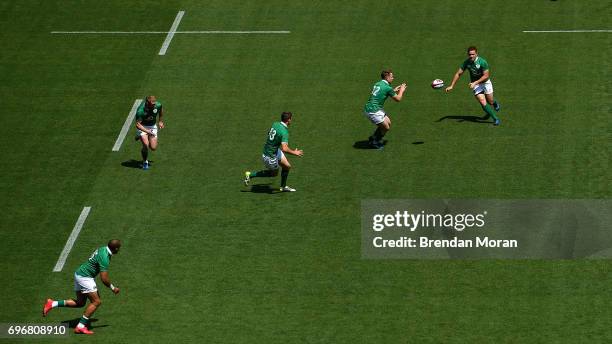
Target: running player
(480,83)
(148,113)
(85,285)
(277,144)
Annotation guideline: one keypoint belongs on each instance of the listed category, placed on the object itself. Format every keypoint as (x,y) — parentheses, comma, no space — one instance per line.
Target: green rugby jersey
(148,116)
(380,92)
(277,135)
(476,68)
(99,261)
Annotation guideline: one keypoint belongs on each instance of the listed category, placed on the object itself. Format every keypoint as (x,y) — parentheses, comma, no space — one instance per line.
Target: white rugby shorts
(85,285)
(485,87)
(376,117)
(271,163)
(153,129)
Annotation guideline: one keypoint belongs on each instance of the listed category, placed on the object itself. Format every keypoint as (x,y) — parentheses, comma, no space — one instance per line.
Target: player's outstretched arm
(285,148)
(455,78)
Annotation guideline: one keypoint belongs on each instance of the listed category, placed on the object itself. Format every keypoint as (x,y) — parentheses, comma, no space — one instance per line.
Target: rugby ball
(437,84)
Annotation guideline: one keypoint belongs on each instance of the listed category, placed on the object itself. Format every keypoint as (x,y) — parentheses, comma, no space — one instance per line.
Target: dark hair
(385,73)
(114,245)
(285,116)
(470,48)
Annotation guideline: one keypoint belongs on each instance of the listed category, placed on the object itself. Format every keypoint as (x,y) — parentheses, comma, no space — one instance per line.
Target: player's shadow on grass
(365,144)
(466,118)
(72,323)
(262,188)
(134,163)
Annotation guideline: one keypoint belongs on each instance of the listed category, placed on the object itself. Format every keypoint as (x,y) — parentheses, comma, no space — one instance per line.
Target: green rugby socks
(83,321)
(265,173)
(489,110)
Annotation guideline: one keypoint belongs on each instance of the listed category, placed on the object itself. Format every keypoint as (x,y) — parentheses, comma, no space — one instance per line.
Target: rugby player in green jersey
(148,113)
(277,143)
(480,82)
(374,107)
(85,285)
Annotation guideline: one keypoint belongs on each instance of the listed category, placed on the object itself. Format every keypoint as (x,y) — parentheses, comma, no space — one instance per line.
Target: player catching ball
(480,83)
(374,111)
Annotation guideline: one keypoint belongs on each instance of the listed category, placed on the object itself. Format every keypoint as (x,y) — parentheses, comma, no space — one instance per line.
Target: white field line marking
(126,125)
(564,31)
(175,25)
(71,239)
(166,32)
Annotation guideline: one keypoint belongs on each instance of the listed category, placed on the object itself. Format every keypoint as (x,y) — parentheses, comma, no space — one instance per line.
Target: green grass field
(205,259)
